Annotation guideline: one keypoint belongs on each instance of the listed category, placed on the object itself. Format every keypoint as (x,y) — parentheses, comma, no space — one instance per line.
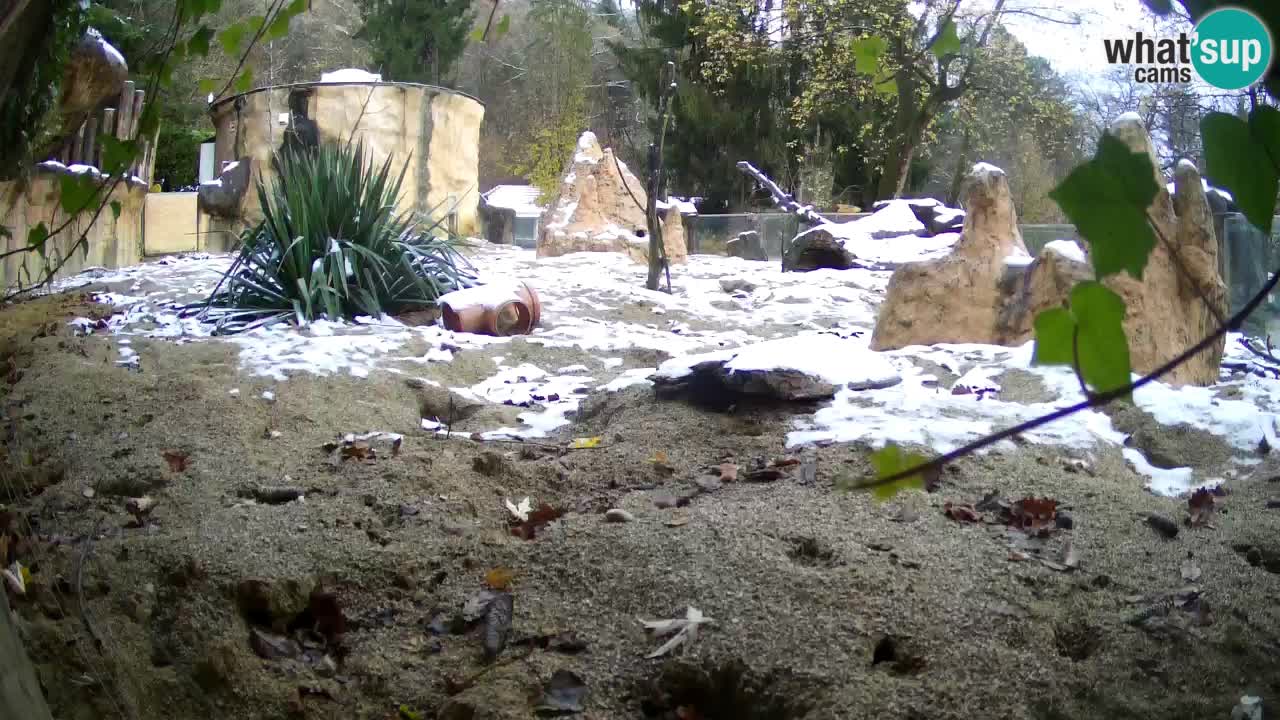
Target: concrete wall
(170,224)
(436,131)
(113,242)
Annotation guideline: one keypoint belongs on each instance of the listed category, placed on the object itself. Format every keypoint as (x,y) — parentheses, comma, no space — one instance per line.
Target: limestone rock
(932,214)
(95,72)
(223,196)
(895,218)
(747,246)
(957,298)
(820,247)
(1165,312)
(600,208)
(807,367)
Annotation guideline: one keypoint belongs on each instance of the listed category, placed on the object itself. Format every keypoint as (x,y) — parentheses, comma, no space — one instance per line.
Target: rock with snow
(806,367)
(824,246)
(747,246)
(350,75)
(957,298)
(932,214)
(600,208)
(222,196)
(896,219)
(94,72)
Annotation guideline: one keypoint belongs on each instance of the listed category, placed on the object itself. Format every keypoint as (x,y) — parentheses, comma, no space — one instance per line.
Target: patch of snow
(1208,189)
(630,378)
(946,216)
(491,296)
(1068,249)
(1171,482)
(217,182)
(895,219)
(985,169)
(350,75)
(1019,259)
(833,359)
(523,199)
(107,48)
(585,143)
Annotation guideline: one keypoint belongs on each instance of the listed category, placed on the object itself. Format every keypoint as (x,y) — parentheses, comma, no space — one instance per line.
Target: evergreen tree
(416,40)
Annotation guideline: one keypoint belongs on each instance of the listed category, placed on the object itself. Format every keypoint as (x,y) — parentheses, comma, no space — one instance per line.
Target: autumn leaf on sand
(537,519)
(498,578)
(685,630)
(1034,516)
(1201,505)
(961,513)
(177,460)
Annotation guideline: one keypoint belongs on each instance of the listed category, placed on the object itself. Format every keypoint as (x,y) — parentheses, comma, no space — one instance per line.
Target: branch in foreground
(1097,400)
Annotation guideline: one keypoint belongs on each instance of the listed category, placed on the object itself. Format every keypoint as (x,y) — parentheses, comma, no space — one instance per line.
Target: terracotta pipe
(485,311)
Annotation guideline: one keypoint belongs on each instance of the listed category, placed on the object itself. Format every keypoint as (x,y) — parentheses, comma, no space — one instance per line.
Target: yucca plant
(331,245)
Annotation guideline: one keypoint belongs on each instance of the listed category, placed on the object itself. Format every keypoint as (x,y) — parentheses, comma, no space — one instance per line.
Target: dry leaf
(1034,515)
(537,519)
(684,631)
(499,578)
(584,443)
(961,513)
(1201,506)
(178,460)
(728,472)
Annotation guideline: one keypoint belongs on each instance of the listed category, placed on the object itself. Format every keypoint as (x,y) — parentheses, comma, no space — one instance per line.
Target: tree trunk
(958,174)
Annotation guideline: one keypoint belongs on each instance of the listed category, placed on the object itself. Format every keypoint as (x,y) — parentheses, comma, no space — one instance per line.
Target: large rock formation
(898,231)
(1174,305)
(600,208)
(989,291)
(957,298)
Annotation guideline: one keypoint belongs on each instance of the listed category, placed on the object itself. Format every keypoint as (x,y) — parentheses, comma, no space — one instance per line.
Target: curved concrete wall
(437,131)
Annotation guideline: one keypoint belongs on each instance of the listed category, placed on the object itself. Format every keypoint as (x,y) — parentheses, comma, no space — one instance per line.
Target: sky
(1078,50)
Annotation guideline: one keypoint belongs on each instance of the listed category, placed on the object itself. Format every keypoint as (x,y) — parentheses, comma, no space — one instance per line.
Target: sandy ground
(824,604)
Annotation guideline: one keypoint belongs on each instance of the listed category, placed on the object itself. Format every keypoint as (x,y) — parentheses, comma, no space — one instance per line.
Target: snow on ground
(818,322)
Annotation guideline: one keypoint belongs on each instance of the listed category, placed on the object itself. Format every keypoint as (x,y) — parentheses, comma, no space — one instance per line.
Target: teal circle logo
(1232,48)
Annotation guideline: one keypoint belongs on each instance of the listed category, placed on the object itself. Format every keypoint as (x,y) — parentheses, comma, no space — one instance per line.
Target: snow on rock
(1068,249)
(803,367)
(350,75)
(895,219)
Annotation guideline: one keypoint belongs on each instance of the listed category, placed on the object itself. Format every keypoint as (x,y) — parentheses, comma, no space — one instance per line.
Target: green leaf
(232,37)
(477,35)
(1241,157)
(37,236)
(255,23)
(199,42)
(887,87)
(1107,200)
(888,462)
(245,82)
(867,52)
(504,25)
(77,192)
(212,6)
(210,85)
(115,209)
(5,232)
(279,27)
(295,8)
(948,42)
(1093,329)
(116,153)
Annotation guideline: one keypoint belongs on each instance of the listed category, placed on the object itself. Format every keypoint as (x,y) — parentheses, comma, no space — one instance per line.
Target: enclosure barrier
(84,146)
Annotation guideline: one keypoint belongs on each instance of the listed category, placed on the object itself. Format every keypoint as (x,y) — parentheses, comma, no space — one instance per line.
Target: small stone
(1064,521)
(1271,504)
(618,515)
(88,492)
(1249,708)
(665,500)
(326,668)
(1163,525)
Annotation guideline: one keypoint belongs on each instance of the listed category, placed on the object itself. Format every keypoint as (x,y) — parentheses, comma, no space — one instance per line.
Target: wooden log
(139,99)
(782,199)
(77,147)
(125,110)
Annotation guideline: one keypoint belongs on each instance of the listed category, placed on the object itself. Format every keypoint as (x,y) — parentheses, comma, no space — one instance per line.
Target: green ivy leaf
(279,27)
(37,236)
(1107,200)
(199,42)
(887,462)
(1093,327)
(295,8)
(210,85)
(948,42)
(212,6)
(867,52)
(115,209)
(477,35)
(888,87)
(232,37)
(245,82)
(255,23)
(504,25)
(1241,157)
(77,192)
(116,153)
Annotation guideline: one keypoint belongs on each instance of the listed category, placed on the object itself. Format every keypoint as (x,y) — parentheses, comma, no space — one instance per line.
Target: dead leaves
(1201,507)
(499,579)
(685,630)
(362,448)
(961,513)
(176,459)
(1034,516)
(526,521)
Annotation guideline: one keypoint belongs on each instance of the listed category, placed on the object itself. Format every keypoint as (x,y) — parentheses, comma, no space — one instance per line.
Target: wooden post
(125,108)
(91,141)
(20,695)
(77,147)
(139,98)
(107,130)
